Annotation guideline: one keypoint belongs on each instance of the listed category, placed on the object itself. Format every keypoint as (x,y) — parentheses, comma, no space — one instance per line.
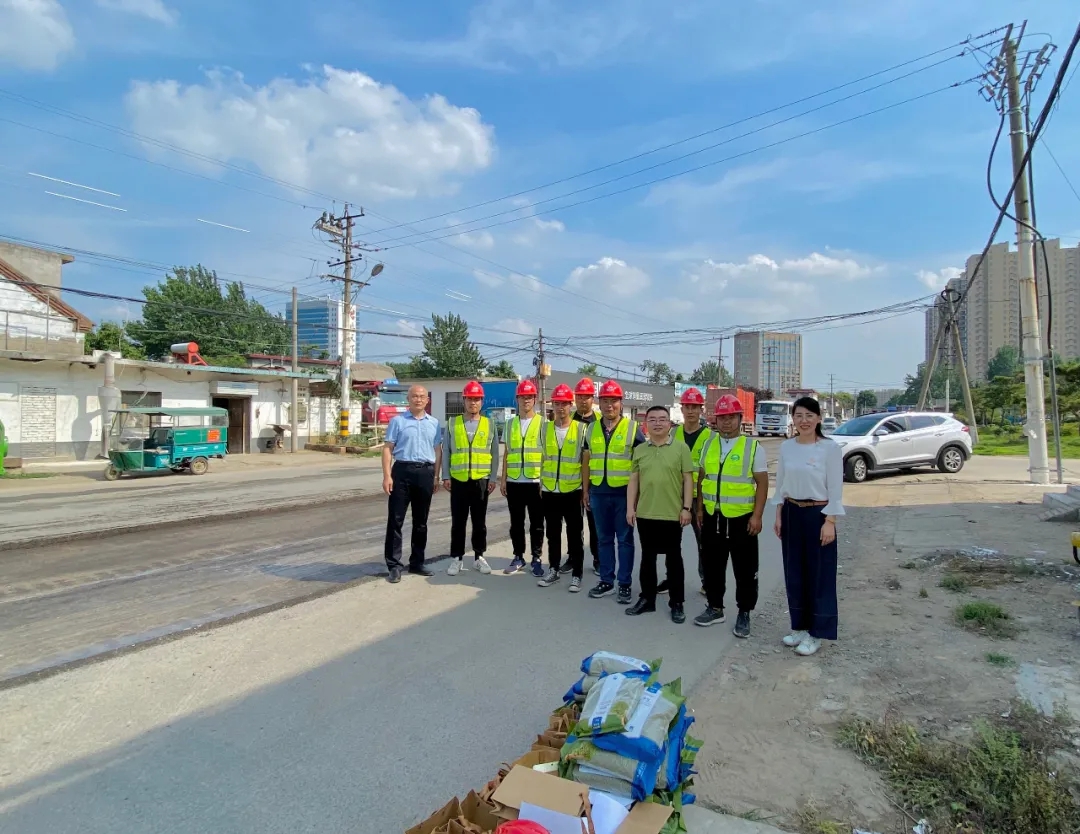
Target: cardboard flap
(535,757)
(451,810)
(479,813)
(645,818)
(524,784)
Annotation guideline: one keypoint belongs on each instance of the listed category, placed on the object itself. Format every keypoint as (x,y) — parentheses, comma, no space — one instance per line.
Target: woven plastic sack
(610,705)
(583,753)
(646,731)
(670,776)
(593,778)
(577,692)
(599,664)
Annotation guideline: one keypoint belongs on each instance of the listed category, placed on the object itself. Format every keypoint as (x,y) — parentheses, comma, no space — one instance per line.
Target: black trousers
(661,537)
(560,507)
(721,538)
(594,542)
(468,498)
(414,483)
(809,571)
(522,499)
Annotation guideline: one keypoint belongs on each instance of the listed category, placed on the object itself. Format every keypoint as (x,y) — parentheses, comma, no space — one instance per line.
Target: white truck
(773,418)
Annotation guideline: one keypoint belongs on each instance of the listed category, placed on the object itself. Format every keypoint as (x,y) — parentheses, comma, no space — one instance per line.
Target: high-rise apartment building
(991,315)
(765,359)
(319,326)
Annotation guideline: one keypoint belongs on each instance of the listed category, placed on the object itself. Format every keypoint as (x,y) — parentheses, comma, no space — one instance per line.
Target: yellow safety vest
(470,461)
(699,444)
(734,481)
(562,467)
(612,461)
(526,456)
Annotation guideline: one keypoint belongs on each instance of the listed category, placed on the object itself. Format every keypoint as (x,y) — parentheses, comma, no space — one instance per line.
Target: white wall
(23,314)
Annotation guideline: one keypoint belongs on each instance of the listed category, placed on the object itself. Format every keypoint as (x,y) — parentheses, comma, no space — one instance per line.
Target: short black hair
(653,408)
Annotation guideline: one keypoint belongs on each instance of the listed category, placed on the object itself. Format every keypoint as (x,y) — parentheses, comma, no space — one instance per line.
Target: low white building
(52,407)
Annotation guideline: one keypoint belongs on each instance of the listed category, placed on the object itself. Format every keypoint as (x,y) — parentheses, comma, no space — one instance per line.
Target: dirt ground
(770,717)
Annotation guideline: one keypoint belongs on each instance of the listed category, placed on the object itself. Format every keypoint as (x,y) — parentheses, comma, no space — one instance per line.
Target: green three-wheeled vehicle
(156,439)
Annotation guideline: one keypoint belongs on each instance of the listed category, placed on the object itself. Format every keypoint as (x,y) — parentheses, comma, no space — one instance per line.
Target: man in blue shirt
(412,452)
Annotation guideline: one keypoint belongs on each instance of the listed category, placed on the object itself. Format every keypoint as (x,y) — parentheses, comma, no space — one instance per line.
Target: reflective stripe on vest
(470,461)
(562,466)
(734,481)
(699,444)
(613,461)
(525,457)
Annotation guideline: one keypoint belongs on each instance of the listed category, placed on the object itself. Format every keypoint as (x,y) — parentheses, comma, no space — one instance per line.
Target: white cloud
(527,283)
(843,269)
(937,280)
(814,265)
(531,233)
(34,34)
(609,276)
(515,326)
(476,240)
(407,327)
(336,130)
(549,225)
(488,279)
(155,10)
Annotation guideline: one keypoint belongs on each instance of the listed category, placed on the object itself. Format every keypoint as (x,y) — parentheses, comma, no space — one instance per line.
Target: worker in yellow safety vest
(564,444)
(694,433)
(519,481)
(608,460)
(469,472)
(733,484)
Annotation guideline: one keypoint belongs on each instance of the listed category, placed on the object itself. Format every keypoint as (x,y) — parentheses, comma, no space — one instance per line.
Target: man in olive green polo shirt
(658,500)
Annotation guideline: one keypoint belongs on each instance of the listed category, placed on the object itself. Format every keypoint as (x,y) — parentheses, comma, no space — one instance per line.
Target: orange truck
(743,396)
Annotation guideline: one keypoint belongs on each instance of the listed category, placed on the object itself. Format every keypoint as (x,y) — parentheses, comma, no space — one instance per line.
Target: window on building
(140,399)
(455,404)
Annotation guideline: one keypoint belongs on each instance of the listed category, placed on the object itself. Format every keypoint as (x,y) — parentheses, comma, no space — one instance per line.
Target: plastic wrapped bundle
(610,706)
(583,758)
(599,664)
(646,731)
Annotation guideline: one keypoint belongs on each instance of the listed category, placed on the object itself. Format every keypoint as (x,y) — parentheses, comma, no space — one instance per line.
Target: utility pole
(931,363)
(832,397)
(951,296)
(770,352)
(720,363)
(294,402)
(540,370)
(1035,428)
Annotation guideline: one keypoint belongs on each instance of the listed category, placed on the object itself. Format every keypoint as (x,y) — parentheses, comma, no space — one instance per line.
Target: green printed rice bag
(608,663)
(646,730)
(640,776)
(584,775)
(609,706)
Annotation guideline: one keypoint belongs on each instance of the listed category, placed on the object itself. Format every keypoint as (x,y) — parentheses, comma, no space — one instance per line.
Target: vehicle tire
(199,466)
(111,473)
(950,460)
(856,469)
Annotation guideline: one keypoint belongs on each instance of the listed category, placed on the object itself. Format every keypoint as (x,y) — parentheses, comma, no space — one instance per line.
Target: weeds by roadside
(986,616)
(954,583)
(998,781)
(999,659)
(813,820)
(25,476)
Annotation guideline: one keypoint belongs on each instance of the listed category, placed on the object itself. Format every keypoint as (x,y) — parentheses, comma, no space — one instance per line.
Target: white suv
(902,440)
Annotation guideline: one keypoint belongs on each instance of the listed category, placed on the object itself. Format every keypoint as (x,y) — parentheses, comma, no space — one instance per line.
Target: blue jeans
(609,510)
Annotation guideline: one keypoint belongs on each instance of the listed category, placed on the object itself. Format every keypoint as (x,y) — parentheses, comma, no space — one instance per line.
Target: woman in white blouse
(808,497)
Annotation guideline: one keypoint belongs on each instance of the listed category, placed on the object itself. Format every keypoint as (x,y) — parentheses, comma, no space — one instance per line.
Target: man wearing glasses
(658,500)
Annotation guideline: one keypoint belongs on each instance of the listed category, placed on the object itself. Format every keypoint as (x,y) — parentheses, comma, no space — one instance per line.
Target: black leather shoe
(395,576)
(677,614)
(421,571)
(642,606)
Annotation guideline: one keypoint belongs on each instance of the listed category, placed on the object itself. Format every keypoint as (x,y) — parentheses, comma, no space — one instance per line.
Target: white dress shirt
(811,472)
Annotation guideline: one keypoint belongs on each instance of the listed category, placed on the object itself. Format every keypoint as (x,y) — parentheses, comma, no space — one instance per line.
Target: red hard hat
(611,389)
(562,394)
(585,387)
(728,404)
(472,389)
(526,388)
(692,396)
(521,827)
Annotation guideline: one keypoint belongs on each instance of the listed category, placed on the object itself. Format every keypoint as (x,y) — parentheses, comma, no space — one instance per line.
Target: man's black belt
(414,462)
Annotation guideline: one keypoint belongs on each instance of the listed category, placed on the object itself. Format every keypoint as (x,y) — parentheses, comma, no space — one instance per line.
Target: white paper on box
(607,812)
(553,821)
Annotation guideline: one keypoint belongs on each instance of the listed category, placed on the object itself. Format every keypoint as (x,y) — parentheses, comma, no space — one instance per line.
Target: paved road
(66,602)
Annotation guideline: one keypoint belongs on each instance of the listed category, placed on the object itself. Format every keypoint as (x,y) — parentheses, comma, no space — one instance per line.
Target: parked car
(879,442)
(828,425)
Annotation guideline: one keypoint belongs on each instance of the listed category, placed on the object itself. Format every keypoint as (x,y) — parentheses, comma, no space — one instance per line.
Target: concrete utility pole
(720,362)
(832,396)
(951,297)
(540,368)
(1035,427)
(294,401)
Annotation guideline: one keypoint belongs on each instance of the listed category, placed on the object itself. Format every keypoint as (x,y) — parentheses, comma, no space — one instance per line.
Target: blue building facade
(319,327)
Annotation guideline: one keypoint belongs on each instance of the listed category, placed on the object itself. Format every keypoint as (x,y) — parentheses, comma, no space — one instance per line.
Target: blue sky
(423,109)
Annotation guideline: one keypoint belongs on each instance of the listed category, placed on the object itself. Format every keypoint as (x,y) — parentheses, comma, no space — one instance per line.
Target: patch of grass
(988,572)
(995,441)
(999,659)
(954,583)
(25,476)
(923,593)
(988,616)
(811,819)
(998,781)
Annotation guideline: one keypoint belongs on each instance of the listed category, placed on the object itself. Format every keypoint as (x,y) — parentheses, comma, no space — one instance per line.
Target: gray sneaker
(710,616)
(625,596)
(550,578)
(575,584)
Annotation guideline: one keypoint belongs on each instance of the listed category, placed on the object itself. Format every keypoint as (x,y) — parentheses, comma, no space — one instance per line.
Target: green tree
(589,369)
(1003,393)
(759,393)
(659,373)
(447,351)
(1006,362)
(914,386)
(503,369)
(191,305)
(709,372)
(844,400)
(865,400)
(109,335)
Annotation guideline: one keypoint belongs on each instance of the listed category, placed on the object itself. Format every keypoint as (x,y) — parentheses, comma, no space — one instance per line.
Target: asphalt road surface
(65,603)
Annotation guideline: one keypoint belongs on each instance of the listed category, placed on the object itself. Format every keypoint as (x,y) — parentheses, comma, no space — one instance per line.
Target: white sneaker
(808,646)
(482,565)
(455,567)
(796,639)
(575,584)
(550,578)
